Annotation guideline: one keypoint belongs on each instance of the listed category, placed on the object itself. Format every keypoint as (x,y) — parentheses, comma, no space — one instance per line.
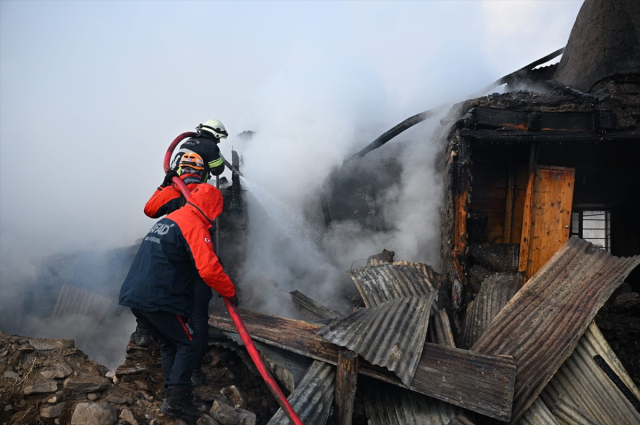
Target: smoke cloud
(92,93)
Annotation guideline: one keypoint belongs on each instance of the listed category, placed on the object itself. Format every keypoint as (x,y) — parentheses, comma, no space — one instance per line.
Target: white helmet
(214,127)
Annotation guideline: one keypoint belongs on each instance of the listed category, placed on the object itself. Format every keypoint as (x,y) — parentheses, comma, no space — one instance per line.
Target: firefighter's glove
(169,177)
(233,300)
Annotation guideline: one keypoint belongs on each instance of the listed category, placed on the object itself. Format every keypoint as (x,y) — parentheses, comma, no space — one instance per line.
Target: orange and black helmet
(191,160)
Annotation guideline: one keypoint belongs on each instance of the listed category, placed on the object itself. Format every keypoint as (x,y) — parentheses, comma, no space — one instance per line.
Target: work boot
(180,405)
(198,378)
(141,337)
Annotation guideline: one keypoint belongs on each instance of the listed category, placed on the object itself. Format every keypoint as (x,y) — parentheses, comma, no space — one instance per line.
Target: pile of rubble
(49,381)
(526,353)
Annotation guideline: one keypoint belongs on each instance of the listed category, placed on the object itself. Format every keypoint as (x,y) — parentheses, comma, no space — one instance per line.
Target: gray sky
(93,92)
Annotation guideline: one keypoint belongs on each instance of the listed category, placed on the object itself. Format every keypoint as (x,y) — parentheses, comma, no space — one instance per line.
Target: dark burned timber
(478,382)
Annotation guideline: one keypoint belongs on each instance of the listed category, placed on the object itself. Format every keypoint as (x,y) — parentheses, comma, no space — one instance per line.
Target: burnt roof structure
(537,216)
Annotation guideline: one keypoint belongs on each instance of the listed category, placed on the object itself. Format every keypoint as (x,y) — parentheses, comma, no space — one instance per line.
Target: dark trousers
(201,318)
(179,346)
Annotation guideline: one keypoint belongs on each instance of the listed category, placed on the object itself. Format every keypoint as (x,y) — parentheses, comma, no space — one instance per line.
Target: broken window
(593,226)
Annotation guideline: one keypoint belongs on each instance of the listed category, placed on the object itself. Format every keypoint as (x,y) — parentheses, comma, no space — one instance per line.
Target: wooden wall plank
(525,234)
(551,214)
(520,191)
(509,206)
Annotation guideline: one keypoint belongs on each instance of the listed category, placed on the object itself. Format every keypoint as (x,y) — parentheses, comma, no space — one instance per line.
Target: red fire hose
(237,321)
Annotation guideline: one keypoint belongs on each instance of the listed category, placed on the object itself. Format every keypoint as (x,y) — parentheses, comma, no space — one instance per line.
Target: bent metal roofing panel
(542,324)
(391,335)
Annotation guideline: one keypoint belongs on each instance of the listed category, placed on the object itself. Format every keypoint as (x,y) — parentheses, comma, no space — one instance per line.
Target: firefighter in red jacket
(166,199)
(160,290)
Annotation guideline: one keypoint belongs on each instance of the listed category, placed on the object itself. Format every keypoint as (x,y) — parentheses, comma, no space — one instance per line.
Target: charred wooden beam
(311,308)
(552,137)
(393,132)
(478,382)
(541,121)
(418,118)
(346,384)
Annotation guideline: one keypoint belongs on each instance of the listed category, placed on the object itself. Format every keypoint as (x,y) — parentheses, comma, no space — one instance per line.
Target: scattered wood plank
(478,382)
(311,308)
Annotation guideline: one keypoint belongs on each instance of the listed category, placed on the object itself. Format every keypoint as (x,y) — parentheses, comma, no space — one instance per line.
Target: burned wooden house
(539,227)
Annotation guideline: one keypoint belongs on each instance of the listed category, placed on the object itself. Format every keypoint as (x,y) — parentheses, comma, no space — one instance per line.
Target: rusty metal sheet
(571,414)
(581,382)
(313,398)
(385,281)
(387,405)
(391,335)
(388,281)
(542,324)
(495,293)
(439,330)
(538,414)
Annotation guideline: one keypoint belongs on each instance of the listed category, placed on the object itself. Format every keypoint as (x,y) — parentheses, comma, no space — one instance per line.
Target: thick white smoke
(92,93)
(301,135)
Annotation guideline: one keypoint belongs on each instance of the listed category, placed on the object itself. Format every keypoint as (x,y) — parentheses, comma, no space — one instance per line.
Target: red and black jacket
(177,248)
(166,200)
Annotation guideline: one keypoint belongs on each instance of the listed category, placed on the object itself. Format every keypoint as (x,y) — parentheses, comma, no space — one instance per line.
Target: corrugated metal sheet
(74,300)
(388,281)
(538,414)
(387,405)
(475,381)
(313,398)
(391,335)
(440,329)
(581,382)
(570,414)
(495,293)
(541,325)
(461,419)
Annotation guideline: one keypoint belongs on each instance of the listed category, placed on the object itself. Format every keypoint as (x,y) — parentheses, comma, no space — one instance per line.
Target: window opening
(593,226)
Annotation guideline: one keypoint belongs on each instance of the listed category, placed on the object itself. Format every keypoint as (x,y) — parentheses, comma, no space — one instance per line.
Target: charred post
(346,384)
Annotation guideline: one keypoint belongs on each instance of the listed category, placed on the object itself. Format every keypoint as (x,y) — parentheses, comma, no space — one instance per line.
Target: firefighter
(166,199)
(205,144)
(160,290)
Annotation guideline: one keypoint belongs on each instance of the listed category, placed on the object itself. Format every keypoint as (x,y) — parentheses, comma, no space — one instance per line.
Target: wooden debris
(478,382)
(346,384)
(311,308)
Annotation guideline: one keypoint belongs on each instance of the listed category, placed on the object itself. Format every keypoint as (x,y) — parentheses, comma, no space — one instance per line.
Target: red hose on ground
(266,375)
(237,321)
